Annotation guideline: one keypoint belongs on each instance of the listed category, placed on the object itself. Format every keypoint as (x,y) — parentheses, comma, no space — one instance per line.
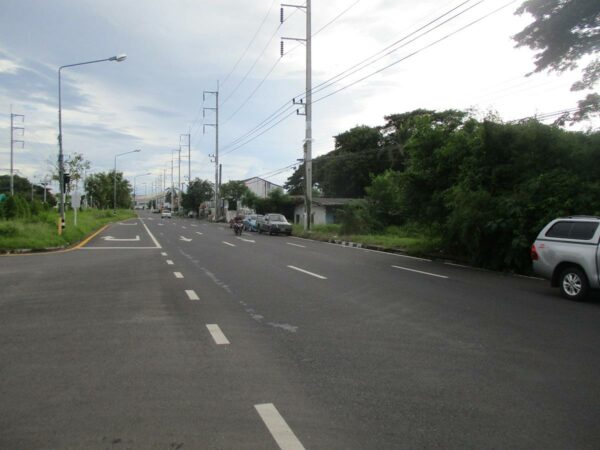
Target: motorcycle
(238,227)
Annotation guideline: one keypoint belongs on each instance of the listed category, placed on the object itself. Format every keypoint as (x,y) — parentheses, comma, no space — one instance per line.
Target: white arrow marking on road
(296,245)
(246,240)
(110,238)
(192,294)
(197,232)
(227,243)
(217,334)
(181,238)
(278,427)
(420,271)
(308,273)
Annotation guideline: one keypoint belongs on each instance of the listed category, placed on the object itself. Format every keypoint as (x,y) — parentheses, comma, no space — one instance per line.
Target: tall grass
(41,231)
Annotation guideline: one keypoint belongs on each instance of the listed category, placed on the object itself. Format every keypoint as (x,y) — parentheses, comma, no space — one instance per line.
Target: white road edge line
(227,243)
(178,274)
(117,248)
(192,294)
(169,262)
(278,427)
(296,245)
(308,273)
(420,271)
(151,235)
(217,334)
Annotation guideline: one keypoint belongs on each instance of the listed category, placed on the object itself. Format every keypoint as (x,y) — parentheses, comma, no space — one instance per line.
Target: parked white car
(166,214)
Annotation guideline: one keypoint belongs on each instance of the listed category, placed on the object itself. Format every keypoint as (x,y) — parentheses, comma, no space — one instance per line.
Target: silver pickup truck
(566,252)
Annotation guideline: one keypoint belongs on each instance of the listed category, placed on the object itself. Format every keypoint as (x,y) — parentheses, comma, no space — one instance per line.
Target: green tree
(100,189)
(233,191)
(563,32)
(199,192)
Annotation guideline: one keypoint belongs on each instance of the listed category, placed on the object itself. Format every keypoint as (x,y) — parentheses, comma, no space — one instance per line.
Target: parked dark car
(274,223)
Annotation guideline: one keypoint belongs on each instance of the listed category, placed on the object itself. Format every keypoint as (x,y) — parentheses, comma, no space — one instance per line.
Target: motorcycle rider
(238,221)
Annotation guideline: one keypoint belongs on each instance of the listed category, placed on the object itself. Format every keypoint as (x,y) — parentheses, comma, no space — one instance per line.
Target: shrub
(8,230)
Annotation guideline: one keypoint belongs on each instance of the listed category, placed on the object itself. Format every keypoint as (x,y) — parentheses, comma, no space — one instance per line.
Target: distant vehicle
(166,214)
(274,224)
(567,253)
(250,222)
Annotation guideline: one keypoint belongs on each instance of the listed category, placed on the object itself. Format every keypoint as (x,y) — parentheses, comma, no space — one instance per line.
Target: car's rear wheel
(573,284)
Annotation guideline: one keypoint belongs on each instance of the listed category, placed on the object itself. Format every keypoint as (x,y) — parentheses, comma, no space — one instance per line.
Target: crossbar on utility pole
(13,141)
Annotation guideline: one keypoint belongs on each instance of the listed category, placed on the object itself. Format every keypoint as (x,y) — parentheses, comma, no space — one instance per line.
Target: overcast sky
(176,49)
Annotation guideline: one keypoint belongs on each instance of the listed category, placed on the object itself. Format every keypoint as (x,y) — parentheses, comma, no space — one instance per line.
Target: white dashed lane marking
(217,334)
(178,274)
(169,262)
(278,427)
(192,294)
(228,243)
(321,277)
(296,245)
(420,271)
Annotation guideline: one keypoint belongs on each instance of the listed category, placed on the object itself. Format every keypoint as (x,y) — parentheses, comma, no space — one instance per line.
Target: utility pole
(179,179)
(172,182)
(189,148)
(12,143)
(307,109)
(216,155)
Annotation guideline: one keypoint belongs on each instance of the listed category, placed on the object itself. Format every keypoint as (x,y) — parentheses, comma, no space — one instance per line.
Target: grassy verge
(41,231)
(406,239)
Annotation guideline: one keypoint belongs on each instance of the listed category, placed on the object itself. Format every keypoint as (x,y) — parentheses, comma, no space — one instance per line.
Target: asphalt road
(175,334)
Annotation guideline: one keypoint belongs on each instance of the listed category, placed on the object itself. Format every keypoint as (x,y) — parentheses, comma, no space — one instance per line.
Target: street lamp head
(118,58)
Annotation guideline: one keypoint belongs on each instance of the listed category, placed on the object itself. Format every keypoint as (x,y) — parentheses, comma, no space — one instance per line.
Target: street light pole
(61,167)
(115,178)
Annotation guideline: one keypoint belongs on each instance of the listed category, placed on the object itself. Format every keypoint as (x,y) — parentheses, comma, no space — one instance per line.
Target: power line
(249,44)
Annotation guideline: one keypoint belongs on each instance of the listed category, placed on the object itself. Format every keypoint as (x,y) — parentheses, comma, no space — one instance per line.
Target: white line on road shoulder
(228,243)
(296,245)
(151,235)
(217,334)
(169,262)
(420,271)
(178,274)
(278,427)
(308,273)
(192,294)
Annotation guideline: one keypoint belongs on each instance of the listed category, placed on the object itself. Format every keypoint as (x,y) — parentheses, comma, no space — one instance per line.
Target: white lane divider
(198,233)
(178,274)
(192,294)
(163,253)
(169,262)
(308,273)
(296,245)
(182,238)
(184,227)
(278,427)
(228,243)
(247,240)
(421,272)
(217,334)
(194,225)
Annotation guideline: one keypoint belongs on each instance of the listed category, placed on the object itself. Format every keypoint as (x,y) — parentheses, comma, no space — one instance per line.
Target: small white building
(324,210)
(260,187)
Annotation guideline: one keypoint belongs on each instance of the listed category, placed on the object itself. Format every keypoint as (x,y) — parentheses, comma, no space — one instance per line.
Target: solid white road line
(197,232)
(457,265)
(308,273)
(217,334)
(178,274)
(419,271)
(151,235)
(278,427)
(169,262)
(296,245)
(163,253)
(117,248)
(192,294)
(227,243)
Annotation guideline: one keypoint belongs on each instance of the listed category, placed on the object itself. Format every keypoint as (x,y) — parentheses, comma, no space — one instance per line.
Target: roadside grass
(407,239)
(41,232)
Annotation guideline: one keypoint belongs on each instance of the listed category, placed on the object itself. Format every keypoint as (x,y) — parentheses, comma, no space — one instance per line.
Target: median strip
(278,427)
(421,272)
(192,294)
(321,277)
(216,333)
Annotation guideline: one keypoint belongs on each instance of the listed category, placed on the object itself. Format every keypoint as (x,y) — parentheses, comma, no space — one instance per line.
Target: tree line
(485,187)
